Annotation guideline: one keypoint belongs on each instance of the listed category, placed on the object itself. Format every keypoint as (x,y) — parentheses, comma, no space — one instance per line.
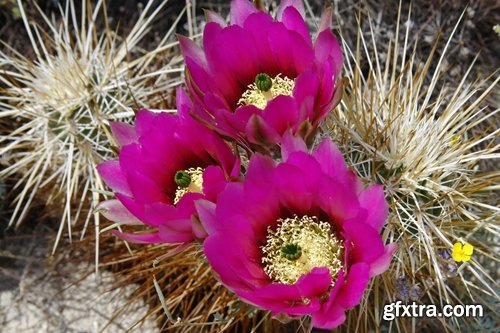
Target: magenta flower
(300,237)
(166,162)
(259,77)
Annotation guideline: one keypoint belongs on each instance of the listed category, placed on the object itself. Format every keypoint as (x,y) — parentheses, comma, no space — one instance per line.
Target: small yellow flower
(462,252)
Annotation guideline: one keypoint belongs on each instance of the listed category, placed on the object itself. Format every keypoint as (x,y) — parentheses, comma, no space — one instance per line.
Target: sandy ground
(42,294)
(45,303)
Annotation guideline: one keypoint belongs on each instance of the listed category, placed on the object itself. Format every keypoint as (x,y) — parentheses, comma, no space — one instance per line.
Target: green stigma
(182,178)
(291,251)
(263,82)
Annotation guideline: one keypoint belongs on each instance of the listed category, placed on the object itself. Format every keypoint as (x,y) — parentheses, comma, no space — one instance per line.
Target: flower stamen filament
(297,246)
(265,89)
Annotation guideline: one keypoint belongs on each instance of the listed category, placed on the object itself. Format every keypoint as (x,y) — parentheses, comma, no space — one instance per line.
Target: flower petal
(184,105)
(240,118)
(292,189)
(381,264)
(236,250)
(145,190)
(191,50)
(160,214)
(214,181)
(338,200)
(112,174)
(282,297)
(329,320)
(132,206)
(123,133)
(292,61)
(368,245)
(373,200)
(281,113)
(134,158)
(291,144)
(354,286)
(298,5)
(311,172)
(468,249)
(197,78)
(206,213)
(138,238)
(326,47)
(240,10)
(219,256)
(330,159)
(211,16)
(260,167)
(315,283)
(294,20)
(260,132)
(242,58)
(169,236)
(305,91)
(226,83)
(232,200)
(144,120)
(259,25)
(114,211)
(326,19)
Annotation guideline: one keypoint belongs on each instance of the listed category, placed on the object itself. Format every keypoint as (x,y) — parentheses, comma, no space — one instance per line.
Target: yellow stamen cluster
(259,98)
(318,248)
(196,184)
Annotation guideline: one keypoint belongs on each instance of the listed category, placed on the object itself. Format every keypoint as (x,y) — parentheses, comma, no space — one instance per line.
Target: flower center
(190,180)
(297,246)
(266,88)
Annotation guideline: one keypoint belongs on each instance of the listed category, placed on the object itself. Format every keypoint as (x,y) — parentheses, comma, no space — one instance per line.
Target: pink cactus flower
(299,237)
(258,77)
(166,162)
